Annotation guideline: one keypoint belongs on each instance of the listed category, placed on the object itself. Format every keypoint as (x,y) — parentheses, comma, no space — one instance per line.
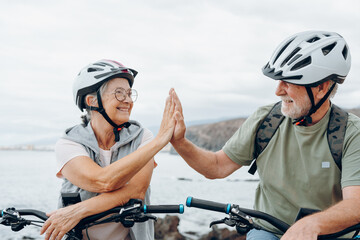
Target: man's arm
(336,218)
(210,164)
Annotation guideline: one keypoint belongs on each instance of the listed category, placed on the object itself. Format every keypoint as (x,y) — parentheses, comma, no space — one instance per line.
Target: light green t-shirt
(296,169)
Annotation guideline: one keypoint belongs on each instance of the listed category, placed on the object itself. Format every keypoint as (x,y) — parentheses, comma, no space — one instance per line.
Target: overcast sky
(211,52)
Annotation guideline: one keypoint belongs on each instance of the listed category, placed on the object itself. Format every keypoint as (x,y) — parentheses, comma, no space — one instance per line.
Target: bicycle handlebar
(237,211)
(145,209)
(208,205)
(32,212)
(163,208)
(228,208)
(134,211)
(239,217)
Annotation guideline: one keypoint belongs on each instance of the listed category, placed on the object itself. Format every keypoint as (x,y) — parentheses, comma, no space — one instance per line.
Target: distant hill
(155,129)
(355,111)
(213,136)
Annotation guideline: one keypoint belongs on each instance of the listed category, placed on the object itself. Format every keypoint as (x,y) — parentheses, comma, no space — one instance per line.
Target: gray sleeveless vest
(130,140)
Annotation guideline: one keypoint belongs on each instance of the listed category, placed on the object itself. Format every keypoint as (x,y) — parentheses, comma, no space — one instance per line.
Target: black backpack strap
(336,132)
(266,131)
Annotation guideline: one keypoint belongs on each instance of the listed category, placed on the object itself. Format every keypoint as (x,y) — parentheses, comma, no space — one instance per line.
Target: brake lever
(144,217)
(12,218)
(217,222)
(241,217)
(9,217)
(227,221)
(244,223)
(130,220)
(238,219)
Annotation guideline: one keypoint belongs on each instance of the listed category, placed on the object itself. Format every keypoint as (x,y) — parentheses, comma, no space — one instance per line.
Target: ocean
(28,181)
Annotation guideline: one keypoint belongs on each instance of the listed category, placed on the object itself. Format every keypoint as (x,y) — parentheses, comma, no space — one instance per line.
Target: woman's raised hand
(168,122)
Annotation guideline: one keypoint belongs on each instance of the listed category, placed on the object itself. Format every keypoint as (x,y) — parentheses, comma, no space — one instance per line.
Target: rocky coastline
(167,229)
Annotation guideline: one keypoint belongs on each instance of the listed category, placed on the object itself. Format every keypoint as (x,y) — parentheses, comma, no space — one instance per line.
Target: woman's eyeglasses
(120,94)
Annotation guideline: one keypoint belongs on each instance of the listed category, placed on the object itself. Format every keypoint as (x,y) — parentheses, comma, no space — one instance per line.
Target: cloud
(211,52)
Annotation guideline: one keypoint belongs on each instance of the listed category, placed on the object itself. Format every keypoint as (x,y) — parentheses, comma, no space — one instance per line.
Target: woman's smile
(123,109)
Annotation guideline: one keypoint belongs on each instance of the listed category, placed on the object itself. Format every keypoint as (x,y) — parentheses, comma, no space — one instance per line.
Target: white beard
(296,110)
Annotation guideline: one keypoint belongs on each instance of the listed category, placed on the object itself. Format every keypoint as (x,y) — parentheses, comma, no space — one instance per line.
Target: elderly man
(306,148)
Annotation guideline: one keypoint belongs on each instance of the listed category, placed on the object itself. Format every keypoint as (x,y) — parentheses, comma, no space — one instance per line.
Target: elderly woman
(108,159)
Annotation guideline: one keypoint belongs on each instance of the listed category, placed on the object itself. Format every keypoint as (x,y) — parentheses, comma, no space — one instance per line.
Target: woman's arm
(83,172)
(64,219)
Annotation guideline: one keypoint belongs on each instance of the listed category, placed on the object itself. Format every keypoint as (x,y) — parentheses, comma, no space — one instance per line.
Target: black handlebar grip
(163,208)
(209,205)
(33,212)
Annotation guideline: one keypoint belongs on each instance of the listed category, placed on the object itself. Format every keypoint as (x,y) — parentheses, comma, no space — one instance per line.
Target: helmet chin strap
(101,110)
(304,120)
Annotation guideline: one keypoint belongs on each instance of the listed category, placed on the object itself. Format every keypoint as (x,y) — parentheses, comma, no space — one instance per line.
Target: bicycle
(132,212)
(242,218)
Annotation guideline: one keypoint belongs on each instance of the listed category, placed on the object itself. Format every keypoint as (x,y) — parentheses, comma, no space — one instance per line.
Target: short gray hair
(87,116)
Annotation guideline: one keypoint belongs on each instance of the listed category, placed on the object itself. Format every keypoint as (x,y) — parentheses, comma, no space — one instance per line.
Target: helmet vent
(297,77)
(101,64)
(314,39)
(345,52)
(290,56)
(301,64)
(328,48)
(282,50)
(92,69)
(294,58)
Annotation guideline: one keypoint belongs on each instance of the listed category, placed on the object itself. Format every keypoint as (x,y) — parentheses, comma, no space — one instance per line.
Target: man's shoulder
(353,122)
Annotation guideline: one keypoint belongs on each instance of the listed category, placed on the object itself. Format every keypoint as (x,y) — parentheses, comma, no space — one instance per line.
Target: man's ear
(322,89)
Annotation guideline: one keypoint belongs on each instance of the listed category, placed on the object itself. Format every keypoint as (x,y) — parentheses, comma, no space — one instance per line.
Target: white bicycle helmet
(309,58)
(91,77)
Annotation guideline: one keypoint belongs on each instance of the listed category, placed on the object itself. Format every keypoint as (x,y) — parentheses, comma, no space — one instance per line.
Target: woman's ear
(91,101)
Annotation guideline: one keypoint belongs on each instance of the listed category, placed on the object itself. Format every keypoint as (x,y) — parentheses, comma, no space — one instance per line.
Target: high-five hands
(180,128)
